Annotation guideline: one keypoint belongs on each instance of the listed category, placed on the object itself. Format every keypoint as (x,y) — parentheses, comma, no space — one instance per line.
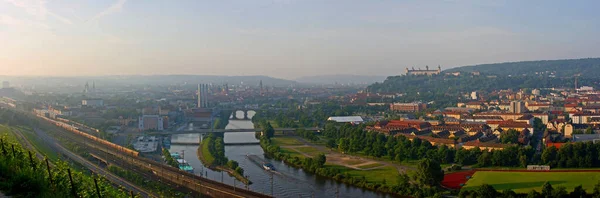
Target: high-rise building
(87,88)
(202,96)
(517,107)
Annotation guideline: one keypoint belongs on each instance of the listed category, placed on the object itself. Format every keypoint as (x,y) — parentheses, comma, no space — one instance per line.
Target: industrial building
(151,122)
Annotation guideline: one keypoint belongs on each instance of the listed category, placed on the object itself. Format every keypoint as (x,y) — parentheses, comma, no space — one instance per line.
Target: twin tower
(203,95)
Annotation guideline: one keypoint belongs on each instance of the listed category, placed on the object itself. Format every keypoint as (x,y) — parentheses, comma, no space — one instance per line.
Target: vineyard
(23,175)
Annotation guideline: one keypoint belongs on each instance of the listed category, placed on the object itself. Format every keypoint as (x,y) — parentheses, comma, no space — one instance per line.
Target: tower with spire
(87,88)
(261,87)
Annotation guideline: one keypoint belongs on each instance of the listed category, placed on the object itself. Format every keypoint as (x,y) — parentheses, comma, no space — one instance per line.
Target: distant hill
(587,67)
(341,79)
(146,80)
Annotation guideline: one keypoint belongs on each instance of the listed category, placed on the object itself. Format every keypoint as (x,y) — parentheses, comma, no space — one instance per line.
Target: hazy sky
(286,38)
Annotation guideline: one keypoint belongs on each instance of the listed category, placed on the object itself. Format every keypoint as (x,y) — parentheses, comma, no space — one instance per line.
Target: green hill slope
(587,67)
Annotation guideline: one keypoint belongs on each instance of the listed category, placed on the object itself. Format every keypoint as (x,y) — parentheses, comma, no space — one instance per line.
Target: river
(286,182)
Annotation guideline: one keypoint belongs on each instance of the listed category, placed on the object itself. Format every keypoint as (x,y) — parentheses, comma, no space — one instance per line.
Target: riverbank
(208,160)
(355,171)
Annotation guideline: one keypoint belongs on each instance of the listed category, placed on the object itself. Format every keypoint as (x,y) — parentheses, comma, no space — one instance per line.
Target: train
(76,130)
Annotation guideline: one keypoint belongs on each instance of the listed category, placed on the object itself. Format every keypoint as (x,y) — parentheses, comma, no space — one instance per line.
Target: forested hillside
(587,67)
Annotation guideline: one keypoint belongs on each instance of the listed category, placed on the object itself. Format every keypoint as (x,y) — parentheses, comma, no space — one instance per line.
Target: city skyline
(285,38)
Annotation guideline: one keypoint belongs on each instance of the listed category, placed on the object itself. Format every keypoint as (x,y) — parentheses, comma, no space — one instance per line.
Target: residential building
(408,107)
(473,96)
(517,107)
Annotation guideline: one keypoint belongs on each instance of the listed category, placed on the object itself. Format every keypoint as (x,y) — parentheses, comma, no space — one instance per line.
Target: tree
(508,193)
(578,192)
(560,191)
(239,170)
(510,136)
(589,130)
(268,130)
(320,160)
(331,143)
(344,144)
(429,172)
(596,191)
(533,194)
(547,190)
(486,191)
(232,164)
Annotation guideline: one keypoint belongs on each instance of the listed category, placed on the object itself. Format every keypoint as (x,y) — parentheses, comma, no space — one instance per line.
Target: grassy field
(388,173)
(206,157)
(286,141)
(309,150)
(523,182)
(6,134)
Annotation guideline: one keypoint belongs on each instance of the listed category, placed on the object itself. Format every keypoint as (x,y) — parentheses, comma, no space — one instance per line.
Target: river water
(286,181)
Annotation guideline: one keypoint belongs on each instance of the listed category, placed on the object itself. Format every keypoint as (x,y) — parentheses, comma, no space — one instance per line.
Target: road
(91,166)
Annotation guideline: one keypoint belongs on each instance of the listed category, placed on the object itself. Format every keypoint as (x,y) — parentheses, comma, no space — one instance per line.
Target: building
(202,96)
(420,72)
(516,107)
(150,122)
(408,107)
(5,85)
(200,117)
(92,102)
(536,92)
(474,95)
(586,138)
(346,119)
(475,105)
(583,117)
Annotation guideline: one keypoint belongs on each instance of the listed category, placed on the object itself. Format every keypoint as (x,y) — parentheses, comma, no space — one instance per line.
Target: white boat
(268,166)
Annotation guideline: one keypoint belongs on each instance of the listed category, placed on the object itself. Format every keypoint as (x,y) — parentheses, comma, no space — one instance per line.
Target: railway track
(175,176)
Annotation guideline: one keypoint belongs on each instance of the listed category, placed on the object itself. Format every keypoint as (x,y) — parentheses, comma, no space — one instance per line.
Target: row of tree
(355,139)
(488,191)
(216,147)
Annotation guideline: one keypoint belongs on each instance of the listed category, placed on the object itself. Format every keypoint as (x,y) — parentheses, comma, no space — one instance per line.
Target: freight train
(76,130)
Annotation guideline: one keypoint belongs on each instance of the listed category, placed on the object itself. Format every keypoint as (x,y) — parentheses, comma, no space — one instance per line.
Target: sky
(286,38)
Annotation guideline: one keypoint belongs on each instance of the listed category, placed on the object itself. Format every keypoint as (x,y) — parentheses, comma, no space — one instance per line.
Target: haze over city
(286,38)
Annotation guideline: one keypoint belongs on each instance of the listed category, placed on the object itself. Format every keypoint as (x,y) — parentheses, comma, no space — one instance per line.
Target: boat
(186,167)
(183,165)
(268,166)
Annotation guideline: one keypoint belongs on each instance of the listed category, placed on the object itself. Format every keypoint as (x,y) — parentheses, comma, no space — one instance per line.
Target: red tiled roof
(485,144)
(554,144)
(514,125)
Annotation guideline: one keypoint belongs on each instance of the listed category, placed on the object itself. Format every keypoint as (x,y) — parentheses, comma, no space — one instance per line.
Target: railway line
(131,159)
